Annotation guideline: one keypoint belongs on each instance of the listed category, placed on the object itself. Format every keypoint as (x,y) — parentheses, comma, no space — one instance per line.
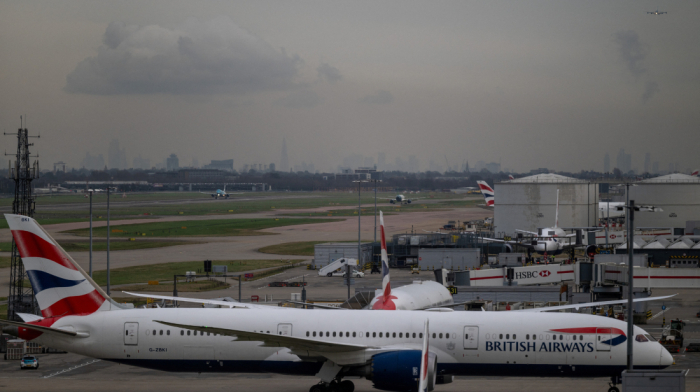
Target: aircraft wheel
(613,389)
(329,274)
(318,388)
(346,386)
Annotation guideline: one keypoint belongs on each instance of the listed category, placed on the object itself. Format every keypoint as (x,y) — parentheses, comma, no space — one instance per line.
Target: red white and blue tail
(424,360)
(61,287)
(487,191)
(695,173)
(386,280)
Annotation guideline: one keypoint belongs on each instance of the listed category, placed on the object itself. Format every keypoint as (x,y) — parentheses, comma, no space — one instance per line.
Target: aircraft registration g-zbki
(391,348)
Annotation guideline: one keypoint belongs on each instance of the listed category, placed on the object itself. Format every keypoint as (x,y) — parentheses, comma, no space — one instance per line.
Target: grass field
(101,245)
(215,227)
(54,221)
(5,262)
(189,287)
(3,312)
(165,271)
(292,248)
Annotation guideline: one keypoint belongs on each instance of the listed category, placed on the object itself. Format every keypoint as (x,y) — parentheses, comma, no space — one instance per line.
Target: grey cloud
(649,91)
(305,98)
(378,98)
(632,50)
(216,56)
(329,73)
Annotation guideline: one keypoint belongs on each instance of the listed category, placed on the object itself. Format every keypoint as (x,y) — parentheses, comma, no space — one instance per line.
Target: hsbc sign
(538,274)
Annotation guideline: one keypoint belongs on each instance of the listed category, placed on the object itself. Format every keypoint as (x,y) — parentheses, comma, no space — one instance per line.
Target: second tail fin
(488,192)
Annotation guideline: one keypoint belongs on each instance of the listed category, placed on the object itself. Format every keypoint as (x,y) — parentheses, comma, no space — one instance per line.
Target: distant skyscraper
(116,157)
(647,162)
(606,163)
(381,161)
(172,163)
(466,167)
(284,160)
(91,162)
(624,161)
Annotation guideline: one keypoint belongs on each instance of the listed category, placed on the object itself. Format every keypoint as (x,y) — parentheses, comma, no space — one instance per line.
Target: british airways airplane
(395,350)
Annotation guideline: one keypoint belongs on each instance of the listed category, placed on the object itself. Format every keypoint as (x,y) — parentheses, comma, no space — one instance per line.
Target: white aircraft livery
(394,350)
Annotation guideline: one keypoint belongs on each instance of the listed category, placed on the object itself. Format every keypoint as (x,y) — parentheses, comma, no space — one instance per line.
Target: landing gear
(613,382)
(334,386)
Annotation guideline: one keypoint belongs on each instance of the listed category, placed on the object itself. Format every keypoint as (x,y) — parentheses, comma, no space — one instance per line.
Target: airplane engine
(591,251)
(408,201)
(392,201)
(508,248)
(400,370)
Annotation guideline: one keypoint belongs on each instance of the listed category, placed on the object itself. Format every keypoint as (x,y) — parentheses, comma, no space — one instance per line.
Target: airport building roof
(546,177)
(672,178)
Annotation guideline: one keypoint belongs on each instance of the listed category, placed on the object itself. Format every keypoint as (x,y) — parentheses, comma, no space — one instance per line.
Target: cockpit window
(641,338)
(651,338)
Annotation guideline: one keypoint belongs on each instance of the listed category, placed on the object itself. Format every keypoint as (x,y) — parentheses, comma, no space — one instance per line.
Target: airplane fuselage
(466,343)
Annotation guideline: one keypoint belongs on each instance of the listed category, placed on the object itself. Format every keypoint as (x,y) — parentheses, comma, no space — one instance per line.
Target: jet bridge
(521,276)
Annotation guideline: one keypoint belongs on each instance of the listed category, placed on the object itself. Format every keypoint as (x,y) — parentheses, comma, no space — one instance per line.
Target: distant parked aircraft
(657,12)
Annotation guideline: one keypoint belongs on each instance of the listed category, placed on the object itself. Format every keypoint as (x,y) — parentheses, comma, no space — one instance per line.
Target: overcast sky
(533,84)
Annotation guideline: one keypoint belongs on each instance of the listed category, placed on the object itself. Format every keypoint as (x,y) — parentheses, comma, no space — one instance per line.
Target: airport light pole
(109,188)
(375,181)
(359,235)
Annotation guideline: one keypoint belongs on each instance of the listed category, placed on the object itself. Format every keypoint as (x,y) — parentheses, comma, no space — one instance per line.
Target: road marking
(659,314)
(72,368)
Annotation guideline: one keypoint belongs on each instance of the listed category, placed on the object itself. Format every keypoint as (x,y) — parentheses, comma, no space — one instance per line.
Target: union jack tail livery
(386,300)
(61,287)
(695,173)
(423,382)
(487,191)
(510,177)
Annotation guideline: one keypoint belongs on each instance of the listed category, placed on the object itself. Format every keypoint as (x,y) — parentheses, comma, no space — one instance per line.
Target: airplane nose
(666,357)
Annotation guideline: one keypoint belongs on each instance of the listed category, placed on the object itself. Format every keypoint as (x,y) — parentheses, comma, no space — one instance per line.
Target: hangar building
(677,194)
(529,203)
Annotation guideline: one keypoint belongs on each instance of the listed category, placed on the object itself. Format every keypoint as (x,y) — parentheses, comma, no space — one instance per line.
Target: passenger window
(580,337)
(333,333)
(328,334)
(188,333)
(500,336)
(574,337)
(154,332)
(561,337)
(514,336)
(374,334)
(440,335)
(420,335)
(414,335)
(168,333)
(433,335)
(507,336)
(393,335)
(307,333)
(380,334)
(160,332)
(527,337)
(400,334)
(182,333)
(466,336)
(534,337)
(354,334)
(554,337)
(347,334)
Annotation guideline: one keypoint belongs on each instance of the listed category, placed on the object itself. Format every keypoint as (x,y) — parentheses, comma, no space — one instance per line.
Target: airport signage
(551,273)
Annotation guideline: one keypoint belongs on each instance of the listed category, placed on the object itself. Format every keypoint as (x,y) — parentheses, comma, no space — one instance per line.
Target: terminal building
(678,195)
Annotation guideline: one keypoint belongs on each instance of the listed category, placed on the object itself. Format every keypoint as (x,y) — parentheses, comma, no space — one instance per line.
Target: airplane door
(131,334)
(471,338)
(284,329)
(603,335)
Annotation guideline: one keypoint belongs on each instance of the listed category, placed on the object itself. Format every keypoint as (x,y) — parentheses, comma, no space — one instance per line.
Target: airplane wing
(195,300)
(39,328)
(272,340)
(592,304)
(317,306)
(527,232)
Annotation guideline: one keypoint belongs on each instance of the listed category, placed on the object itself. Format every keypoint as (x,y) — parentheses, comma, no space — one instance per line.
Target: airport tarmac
(71,372)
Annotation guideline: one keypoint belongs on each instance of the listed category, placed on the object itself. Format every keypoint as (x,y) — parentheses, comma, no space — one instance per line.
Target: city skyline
(523,85)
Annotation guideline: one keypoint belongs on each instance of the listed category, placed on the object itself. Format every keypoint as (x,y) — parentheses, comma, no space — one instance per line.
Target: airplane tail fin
(510,177)
(423,381)
(695,173)
(487,191)
(61,287)
(386,281)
